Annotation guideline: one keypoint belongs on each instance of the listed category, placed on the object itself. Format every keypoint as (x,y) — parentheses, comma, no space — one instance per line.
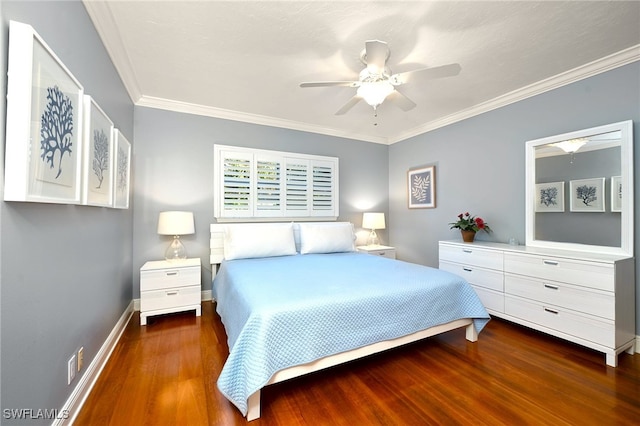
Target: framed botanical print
(587,195)
(97,169)
(616,193)
(43,151)
(122,171)
(549,197)
(421,187)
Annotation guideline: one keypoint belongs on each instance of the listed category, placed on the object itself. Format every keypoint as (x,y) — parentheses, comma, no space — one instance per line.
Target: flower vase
(468,236)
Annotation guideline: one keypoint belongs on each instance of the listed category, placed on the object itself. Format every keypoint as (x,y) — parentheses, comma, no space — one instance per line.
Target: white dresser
(587,298)
(169,286)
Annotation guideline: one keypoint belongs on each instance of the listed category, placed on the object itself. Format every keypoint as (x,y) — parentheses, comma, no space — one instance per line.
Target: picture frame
(43,147)
(616,194)
(121,170)
(549,197)
(98,164)
(421,185)
(587,195)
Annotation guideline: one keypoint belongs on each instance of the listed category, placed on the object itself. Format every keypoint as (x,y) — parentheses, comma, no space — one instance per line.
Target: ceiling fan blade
(376,55)
(401,101)
(346,107)
(330,83)
(434,72)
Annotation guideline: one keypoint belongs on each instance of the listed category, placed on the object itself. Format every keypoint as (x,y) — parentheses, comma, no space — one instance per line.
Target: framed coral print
(616,193)
(421,184)
(43,152)
(587,195)
(97,164)
(549,197)
(122,171)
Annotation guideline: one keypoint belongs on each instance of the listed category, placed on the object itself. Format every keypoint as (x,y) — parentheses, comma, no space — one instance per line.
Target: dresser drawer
(589,274)
(467,254)
(491,300)
(169,278)
(585,327)
(169,298)
(576,298)
(481,277)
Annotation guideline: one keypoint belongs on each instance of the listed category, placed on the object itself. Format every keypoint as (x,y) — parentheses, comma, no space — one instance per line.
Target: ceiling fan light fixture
(570,146)
(374,93)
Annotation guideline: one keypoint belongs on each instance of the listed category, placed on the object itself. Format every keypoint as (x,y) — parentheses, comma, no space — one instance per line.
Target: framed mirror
(579,190)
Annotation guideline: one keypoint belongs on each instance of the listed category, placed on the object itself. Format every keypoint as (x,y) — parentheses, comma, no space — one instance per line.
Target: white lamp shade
(176,223)
(373,221)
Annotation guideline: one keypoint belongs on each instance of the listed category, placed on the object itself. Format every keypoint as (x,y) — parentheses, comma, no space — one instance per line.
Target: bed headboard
(216,243)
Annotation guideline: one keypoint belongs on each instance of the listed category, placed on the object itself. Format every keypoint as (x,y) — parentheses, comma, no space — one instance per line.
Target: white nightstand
(169,286)
(385,251)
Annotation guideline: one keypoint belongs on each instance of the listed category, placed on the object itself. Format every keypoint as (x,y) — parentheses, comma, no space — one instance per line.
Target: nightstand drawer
(384,251)
(169,278)
(170,298)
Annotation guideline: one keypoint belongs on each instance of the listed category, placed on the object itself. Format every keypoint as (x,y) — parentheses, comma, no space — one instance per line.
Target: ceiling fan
(375,83)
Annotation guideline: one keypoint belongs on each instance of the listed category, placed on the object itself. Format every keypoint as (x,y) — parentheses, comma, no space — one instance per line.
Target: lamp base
(373,240)
(176,250)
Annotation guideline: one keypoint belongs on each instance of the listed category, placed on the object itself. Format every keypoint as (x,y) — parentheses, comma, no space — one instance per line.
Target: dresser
(169,286)
(586,298)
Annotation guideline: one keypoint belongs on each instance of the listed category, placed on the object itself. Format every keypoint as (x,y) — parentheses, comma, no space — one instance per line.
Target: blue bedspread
(284,311)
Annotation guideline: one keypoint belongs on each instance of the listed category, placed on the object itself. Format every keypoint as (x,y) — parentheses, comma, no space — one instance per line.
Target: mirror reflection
(578,190)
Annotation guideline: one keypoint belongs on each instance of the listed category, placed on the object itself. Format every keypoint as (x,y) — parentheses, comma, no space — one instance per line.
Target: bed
(296,298)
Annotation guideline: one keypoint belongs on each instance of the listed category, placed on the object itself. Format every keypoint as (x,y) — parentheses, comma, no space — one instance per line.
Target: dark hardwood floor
(165,374)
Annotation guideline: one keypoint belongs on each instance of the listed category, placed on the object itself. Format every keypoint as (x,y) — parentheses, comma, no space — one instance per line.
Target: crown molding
(107,30)
(207,111)
(624,57)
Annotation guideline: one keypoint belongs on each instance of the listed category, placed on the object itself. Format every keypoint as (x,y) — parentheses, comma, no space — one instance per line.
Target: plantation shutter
(296,187)
(323,188)
(253,184)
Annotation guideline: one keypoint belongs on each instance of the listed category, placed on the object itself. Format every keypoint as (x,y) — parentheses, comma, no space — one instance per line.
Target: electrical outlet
(72,367)
(80,358)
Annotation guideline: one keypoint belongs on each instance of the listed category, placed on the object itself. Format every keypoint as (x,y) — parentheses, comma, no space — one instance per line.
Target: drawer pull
(467,251)
(381,253)
(172,273)
(172,293)
(551,311)
(467,269)
(550,262)
(551,287)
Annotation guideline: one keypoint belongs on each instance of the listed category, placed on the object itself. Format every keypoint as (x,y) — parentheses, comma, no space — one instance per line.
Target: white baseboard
(204,296)
(638,344)
(88,380)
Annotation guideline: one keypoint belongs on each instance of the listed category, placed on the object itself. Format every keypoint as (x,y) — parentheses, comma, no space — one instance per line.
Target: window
(253,183)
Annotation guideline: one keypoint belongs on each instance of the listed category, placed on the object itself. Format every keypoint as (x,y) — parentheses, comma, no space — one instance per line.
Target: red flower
(480,223)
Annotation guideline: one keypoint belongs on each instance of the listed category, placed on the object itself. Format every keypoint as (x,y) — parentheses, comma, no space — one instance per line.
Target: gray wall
(173,159)
(480,162)
(65,271)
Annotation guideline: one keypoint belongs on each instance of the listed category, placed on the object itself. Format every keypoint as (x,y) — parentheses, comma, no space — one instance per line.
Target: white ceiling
(244,60)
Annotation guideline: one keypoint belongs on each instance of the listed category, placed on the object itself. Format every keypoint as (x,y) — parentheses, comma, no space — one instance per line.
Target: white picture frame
(549,197)
(98,164)
(421,188)
(43,147)
(587,195)
(122,170)
(616,194)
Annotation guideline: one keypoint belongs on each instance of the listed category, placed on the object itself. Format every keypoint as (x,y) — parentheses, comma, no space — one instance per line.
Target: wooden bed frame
(216,257)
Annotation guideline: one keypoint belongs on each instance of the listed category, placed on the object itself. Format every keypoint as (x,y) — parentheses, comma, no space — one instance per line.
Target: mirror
(579,190)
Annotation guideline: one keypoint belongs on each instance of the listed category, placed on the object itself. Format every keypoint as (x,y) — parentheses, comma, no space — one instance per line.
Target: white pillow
(258,240)
(326,238)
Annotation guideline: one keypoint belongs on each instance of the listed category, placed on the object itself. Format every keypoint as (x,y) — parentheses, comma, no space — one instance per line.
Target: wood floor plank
(165,374)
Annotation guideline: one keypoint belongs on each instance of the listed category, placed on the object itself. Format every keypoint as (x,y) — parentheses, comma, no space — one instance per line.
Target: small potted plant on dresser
(469,225)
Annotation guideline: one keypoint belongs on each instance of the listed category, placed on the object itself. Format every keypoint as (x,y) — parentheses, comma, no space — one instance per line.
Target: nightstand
(169,286)
(385,251)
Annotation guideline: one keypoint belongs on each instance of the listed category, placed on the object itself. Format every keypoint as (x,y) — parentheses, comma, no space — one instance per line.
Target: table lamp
(175,223)
(373,221)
